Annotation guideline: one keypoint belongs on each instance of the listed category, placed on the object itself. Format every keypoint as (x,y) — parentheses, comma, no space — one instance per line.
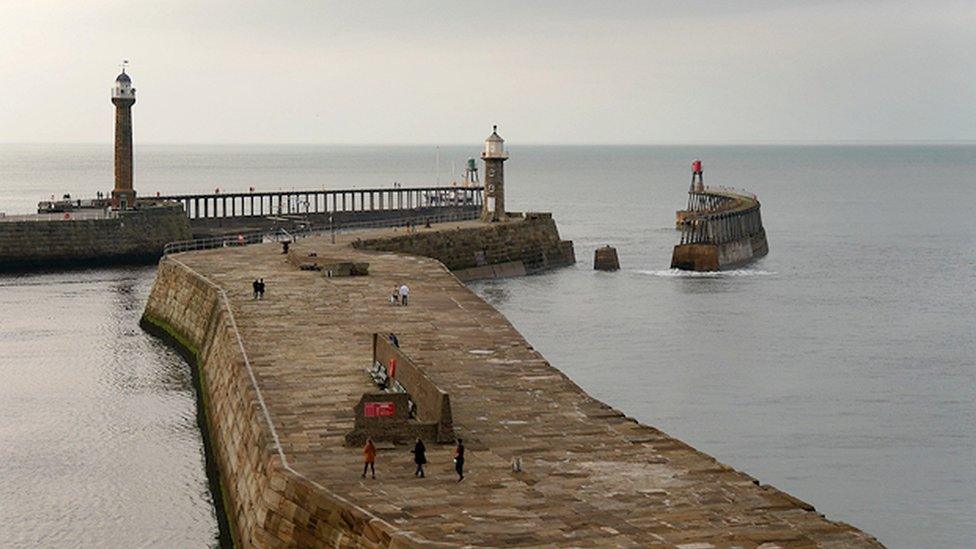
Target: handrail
(257,237)
(76,215)
(731,190)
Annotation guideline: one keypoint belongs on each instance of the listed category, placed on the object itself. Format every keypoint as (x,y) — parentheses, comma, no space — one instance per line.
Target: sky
(430,72)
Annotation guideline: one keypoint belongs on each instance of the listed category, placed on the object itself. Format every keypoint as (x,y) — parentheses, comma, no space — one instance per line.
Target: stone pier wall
(521,245)
(136,236)
(716,257)
(592,477)
(267,503)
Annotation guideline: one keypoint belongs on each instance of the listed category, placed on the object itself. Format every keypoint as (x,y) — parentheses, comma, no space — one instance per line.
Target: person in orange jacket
(369,457)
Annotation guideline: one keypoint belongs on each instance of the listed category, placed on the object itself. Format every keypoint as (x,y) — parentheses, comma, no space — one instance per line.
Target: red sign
(379,409)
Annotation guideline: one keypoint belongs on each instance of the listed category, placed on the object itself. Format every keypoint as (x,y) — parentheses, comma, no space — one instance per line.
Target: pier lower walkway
(592,477)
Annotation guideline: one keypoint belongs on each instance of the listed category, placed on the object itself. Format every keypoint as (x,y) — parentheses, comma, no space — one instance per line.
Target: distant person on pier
(419,457)
(404,294)
(369,457)
(395,296)
(459,459)
(261,288)
(255,286)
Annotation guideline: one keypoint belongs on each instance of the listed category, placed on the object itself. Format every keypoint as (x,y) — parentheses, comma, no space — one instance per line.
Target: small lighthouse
(494,158)
(123,97)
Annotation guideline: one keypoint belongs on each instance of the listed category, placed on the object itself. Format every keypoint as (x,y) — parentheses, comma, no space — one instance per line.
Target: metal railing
(718,199)
(730,190)
(280,234)
(62,216)
(322,201)
(723,226)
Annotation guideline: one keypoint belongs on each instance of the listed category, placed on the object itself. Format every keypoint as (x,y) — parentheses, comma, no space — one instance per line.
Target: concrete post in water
(494,158)
(605,259)
(123,97)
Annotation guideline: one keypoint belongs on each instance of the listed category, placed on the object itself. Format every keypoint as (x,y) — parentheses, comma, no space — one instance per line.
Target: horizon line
(785,142)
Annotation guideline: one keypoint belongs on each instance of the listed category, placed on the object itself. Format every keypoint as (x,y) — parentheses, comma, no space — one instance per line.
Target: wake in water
(678,273)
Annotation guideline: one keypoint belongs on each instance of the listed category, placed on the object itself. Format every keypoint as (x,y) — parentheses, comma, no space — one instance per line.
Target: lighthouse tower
(123,97)
(494,157)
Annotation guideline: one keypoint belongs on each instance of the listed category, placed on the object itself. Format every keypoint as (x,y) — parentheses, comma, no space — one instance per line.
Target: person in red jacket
(369,457)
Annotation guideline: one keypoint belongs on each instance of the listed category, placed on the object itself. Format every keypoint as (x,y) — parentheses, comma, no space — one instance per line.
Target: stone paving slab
(592,477)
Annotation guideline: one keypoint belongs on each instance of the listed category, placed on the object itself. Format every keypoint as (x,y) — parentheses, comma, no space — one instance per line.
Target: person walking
(261,288)
(254,286)
(395,296)
(419,457)
(459,460)
(404,293)
(369,457)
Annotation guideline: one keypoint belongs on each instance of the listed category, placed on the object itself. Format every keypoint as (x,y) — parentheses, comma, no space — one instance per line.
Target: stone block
(605,259)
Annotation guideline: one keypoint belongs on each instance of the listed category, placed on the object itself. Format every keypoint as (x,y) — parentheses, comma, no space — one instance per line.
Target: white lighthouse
(494,193)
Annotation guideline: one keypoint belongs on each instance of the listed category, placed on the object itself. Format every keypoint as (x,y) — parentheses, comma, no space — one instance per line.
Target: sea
(840,368)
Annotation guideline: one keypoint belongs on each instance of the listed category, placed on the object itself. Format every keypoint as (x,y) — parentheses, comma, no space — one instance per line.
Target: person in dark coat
(261,289)
(459,460)
(419,457)
(255,286)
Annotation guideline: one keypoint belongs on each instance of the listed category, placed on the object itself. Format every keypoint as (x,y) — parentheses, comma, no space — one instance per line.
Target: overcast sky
(443,72)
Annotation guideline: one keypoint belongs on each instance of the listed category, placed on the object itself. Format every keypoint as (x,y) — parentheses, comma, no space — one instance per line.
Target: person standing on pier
(404,293)
(255,286)
(419,457)
(369,457)
(459,460)
(261,289)
(395,296)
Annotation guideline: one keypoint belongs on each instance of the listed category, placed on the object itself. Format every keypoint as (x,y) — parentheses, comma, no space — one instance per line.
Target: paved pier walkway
(591,476)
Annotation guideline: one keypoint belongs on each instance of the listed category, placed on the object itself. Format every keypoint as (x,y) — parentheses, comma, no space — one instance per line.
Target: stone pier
(281,378)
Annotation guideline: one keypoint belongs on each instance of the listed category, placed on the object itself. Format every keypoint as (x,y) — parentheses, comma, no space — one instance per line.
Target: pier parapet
(528,244)
(406,405)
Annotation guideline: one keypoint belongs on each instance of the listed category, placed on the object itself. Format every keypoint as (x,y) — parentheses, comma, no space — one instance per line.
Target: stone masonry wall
(267,503)
(210,226)
(714,257)
(533,241)
(433,403)
(135,236)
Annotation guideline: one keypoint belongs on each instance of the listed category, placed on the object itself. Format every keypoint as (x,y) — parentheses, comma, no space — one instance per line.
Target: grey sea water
(840,368)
